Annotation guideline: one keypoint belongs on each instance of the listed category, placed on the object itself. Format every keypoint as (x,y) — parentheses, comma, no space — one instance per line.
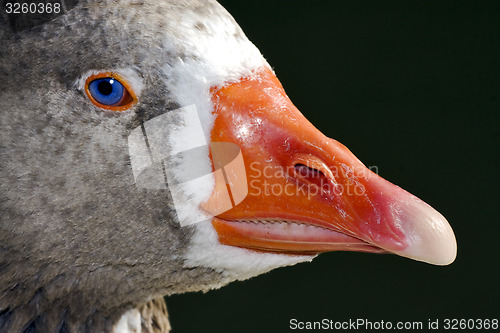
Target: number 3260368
(32,8)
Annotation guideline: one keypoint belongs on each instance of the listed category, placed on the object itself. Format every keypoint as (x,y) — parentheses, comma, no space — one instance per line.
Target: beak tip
(441,254)
(431,238)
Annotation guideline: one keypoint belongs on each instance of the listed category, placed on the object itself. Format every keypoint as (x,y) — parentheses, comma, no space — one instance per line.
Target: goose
(148,149)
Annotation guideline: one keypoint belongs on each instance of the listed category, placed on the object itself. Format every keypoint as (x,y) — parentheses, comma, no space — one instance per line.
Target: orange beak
(308,193)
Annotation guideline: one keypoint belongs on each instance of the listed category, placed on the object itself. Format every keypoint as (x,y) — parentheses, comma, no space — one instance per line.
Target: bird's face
(117,92)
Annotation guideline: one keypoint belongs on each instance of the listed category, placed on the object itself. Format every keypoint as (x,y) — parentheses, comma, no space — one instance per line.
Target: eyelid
(120,79)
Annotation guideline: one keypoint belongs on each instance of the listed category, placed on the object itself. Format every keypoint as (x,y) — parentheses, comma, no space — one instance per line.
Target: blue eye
(109,91)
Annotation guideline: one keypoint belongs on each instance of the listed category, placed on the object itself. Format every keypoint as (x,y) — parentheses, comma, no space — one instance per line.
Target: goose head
(148,149)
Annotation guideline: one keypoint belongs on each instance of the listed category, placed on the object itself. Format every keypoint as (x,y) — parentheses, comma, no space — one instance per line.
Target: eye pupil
(105,87)
(108,93)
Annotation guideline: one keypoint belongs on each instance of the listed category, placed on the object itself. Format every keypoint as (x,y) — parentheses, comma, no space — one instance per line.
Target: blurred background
(412,87)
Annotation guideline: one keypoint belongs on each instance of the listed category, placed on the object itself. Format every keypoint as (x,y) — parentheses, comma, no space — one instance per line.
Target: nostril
(306,171)
(312,171)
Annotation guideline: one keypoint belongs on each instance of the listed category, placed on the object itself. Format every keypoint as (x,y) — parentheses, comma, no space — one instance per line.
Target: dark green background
(412,87)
